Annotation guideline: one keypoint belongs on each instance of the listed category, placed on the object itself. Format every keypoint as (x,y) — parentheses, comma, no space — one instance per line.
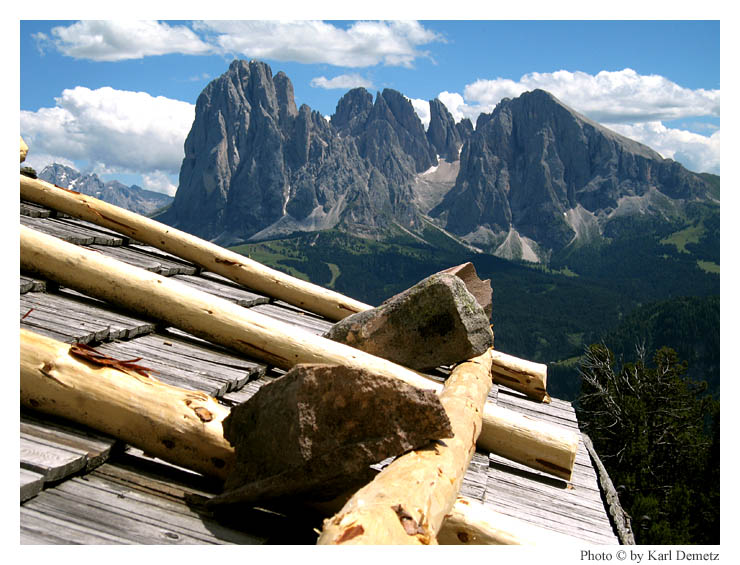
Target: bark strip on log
(539,445)
(211,257)
(407,502)
(524,376)
(174,424)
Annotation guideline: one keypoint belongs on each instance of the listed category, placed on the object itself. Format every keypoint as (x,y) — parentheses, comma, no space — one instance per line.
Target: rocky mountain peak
(444,134)
(532,178)
(538,173)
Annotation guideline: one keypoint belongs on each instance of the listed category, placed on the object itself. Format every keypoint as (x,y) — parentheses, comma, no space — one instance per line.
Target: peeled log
(471,523)
(529,442)
(233,266)
(216,259)
(176,425)
(159,419)
(521,375)
(407,502)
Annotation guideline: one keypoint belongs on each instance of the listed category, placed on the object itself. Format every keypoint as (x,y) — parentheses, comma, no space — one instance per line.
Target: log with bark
(408,501)
(544,447)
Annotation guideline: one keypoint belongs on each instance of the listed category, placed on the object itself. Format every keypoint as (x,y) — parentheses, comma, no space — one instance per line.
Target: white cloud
(117,40)
(632,104)
(421,107)
(112,130)
(363,44)
(159,181)
(347,81)
(696,152)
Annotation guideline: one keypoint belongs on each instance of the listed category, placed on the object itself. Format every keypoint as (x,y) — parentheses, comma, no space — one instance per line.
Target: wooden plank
(34,210)
(30,284)
(304,320)
(52,462)
(185,267)
(81,317)
(40,526)
(564,511)
(132,257)
(177,363)
(476,478)
(230,291)
(59,229)
(43,429)
(31,483)
(35,309)
(107,237)
(128,507)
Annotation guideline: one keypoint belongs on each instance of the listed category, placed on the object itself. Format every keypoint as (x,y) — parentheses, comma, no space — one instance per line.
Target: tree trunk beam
(471,523)
(407,502)
(535,443)
(524,440)
(158,418)
(177,425)
(521,375)
(214,258)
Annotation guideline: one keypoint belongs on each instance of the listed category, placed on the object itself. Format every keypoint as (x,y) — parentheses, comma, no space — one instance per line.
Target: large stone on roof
(315,431)
(436,322)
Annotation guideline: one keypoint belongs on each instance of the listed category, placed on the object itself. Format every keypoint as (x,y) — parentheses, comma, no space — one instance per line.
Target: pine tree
(651,427)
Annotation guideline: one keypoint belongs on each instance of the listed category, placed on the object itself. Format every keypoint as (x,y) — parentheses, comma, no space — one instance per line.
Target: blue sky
(117,96)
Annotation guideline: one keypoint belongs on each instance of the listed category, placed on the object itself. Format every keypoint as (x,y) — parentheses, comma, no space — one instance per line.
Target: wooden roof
(78,486)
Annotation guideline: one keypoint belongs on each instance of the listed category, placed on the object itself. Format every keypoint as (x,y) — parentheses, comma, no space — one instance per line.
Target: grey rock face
(134,198)
(444,134)
(435,322)
(533,159)
(256,167)
(315,431)
(534,176)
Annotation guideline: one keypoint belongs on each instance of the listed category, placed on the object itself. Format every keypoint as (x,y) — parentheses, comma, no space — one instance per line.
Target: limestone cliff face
(256,167)
(444,134)
(532,178)
(533,161)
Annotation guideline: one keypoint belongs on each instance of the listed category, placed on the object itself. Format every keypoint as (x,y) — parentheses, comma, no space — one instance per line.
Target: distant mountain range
(134,198)
(532,179)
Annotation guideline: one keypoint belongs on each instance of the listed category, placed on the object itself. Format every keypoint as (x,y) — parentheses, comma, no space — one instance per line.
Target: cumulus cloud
(421,107)
(363,44)
(347,81)
(159,181)
(625,101)
(113,130)
(117,40)
(694,151)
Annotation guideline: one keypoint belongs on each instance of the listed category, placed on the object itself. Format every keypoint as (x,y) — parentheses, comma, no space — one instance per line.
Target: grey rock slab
(436,322)
(315,431)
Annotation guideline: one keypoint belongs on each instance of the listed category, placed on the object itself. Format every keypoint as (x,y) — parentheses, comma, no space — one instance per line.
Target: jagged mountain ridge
(134,198)
(533,177)
(537,176)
